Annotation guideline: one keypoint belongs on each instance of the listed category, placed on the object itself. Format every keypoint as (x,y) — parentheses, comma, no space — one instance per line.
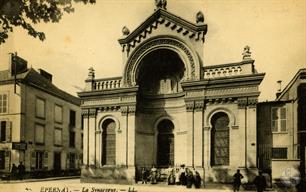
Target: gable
(166,19)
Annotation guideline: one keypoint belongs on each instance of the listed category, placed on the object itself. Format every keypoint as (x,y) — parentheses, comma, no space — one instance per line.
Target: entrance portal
(165,138)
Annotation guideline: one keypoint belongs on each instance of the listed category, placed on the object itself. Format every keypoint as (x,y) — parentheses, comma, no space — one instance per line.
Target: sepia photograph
(152,95)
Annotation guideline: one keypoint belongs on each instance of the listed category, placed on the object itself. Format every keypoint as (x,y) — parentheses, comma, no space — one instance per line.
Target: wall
(29,101)
(13,116)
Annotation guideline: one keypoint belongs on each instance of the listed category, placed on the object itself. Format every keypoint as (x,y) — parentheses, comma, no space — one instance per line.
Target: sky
(274,29)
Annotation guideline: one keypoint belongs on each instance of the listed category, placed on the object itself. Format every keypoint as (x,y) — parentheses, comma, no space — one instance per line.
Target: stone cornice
(107,93)
(161,16)
(241,80)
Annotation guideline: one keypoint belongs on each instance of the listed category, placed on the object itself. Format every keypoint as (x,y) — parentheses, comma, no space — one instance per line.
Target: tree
(26,13)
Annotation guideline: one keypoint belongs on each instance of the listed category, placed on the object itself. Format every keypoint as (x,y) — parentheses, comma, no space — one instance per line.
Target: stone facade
(168,109)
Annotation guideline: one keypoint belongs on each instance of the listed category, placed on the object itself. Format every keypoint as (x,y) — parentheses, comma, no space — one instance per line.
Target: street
(74,185)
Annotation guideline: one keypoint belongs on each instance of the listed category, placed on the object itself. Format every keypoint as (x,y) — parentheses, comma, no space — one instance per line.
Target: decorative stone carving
(189,106)
(242,103)
(132,109)
(252,102)
(128,99)
(107,101)
(128,109)
(124,110)
(161,4)
(130,72)
(199,105)
(92,112)
(109,108)
(200,17)
(246,53)
(125,31)
(194,94)
(91,74)
(89,112)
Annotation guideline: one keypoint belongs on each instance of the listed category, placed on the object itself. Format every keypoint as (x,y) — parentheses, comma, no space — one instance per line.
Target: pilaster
(198,133)
(128,113)
(207,146)
(89,142)
(251,133)
(92,136)
(190,133)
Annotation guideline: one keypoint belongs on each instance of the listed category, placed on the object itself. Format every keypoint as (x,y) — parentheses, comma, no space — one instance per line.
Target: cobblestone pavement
(74,185)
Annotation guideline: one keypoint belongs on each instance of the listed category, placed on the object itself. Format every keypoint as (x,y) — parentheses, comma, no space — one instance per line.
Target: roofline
(289,85)
(58,96)
(275,102)
(23,81)
(169,15)
(230,64)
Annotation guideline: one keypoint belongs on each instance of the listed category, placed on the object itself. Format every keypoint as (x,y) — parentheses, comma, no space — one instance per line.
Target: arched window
(108,142)
(220,139)
(165,154)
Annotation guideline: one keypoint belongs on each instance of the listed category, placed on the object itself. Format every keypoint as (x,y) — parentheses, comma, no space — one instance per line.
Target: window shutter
(33,160)
(7,160)
(46,160)
(8,131)
(67,161)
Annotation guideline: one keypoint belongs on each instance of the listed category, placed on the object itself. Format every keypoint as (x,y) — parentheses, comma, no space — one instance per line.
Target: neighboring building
(40,124)
(170,109)
(281,128)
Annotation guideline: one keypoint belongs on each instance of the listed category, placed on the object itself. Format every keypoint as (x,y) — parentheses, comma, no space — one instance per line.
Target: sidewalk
(39,180)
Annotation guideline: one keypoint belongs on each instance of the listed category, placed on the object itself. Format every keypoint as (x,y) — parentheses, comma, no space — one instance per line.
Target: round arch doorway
(165,143)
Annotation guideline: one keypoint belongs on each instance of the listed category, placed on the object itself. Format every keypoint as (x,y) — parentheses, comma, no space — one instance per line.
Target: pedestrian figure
(177,176)
(144,175)
(21,171)
(237,180)
(189,178)
(197,180)
(182,175)
(171,178)
(14,172)
(260,182)
(153,175)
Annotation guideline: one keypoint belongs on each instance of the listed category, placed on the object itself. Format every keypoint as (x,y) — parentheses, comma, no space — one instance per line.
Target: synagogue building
(169,108)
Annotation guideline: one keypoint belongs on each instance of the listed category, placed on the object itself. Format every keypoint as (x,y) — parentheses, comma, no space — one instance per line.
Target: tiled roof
(32,78)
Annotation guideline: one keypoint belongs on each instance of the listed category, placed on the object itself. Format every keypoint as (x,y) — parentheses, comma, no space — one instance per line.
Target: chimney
(279,91)
(45,74)
(18,65)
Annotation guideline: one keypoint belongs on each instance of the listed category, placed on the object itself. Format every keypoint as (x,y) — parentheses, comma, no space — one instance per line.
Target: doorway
(57,163)
(165,144)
